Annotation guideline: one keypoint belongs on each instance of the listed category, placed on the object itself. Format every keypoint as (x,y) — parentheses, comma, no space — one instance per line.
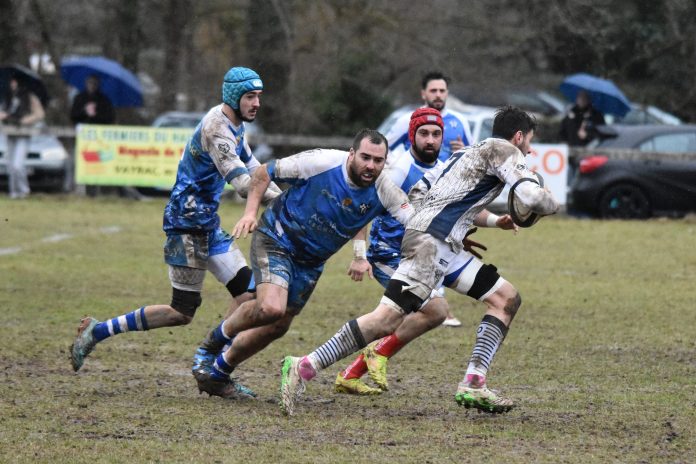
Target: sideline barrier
(145,156)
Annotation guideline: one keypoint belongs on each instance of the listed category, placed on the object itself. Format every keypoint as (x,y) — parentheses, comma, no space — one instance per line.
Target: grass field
(601,358)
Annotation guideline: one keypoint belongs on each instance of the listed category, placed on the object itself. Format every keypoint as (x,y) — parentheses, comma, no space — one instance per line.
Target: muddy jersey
(386,233)
(323,208)
(456,125)
(216,153)
(448,198)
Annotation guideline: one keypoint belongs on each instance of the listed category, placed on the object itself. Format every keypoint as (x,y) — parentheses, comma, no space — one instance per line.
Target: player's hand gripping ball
(521,214)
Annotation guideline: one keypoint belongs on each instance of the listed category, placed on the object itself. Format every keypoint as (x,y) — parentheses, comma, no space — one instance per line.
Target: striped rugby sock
(489,336)
(133,321)
(346,341)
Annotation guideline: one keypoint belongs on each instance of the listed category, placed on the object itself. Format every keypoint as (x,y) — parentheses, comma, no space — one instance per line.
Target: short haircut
(433,76)
(510,119)
(373,136)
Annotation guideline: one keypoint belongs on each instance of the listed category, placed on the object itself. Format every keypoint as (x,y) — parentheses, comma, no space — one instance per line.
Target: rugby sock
(489,336)
(347,340)
(216,340)
(221,370)
(357,368)
(133,321)
(389,346)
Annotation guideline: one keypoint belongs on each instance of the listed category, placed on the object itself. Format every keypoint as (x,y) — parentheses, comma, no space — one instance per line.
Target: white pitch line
(10,251)
(56,238)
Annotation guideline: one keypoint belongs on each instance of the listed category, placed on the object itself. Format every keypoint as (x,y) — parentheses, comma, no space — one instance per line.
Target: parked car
(262,152)
(48,163)
(480,118)
(645,114)
(627,189)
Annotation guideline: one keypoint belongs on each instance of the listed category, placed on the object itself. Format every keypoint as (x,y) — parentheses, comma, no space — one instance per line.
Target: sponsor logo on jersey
(364,207)
(224,148)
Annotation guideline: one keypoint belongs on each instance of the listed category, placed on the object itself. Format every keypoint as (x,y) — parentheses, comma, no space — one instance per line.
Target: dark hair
(510,119)
(373,136)
(433,76)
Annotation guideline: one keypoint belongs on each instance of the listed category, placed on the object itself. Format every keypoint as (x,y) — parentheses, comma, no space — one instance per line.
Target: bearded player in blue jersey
(333,194)
(467,275)
(215,155)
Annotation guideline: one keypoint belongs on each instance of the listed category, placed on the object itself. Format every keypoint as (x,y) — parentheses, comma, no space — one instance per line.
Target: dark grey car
(617,188)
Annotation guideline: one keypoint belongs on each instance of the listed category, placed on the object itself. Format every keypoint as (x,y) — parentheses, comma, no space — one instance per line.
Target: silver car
(47,163)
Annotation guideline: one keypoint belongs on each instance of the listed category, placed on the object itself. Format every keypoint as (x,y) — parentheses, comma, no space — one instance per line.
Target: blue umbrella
(605,95)
(117,83)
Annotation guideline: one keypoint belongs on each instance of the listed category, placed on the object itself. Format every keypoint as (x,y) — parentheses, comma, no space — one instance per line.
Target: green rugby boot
(291,385)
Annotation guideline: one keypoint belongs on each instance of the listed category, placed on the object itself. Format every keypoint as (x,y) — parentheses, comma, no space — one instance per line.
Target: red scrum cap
(421,117)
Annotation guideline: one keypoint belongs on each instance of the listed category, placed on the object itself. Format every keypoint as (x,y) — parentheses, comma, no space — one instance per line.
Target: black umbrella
(26,77)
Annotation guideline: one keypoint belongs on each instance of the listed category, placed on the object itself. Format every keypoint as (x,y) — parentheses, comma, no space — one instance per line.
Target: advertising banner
(551,161)
(128,155)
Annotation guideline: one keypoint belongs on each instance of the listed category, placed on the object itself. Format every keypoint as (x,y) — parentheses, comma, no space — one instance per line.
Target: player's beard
(242,117)
(428,156)
(357,180)
(437,104)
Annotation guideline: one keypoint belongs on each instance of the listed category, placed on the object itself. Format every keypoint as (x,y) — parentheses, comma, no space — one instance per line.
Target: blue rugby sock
(133,321)
(221,370)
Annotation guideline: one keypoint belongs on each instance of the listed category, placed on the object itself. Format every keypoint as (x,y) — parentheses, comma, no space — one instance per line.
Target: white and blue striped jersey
(323,209)
(386,233)
(448,198)
(456,125)
(216,153)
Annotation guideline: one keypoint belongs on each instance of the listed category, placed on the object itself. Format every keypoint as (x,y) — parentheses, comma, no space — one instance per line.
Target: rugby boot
(291,384)
(376,366)
(227,388)
(84,343)
(354,387)
(482,398)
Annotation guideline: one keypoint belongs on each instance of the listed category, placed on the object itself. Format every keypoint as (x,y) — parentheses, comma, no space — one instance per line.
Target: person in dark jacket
(91,106)
(579,126)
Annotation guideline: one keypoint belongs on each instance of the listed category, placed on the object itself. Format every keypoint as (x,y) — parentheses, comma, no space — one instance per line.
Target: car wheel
(624,201)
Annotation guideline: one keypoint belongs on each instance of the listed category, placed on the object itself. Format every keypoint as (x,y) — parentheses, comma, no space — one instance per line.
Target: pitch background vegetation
(601,358)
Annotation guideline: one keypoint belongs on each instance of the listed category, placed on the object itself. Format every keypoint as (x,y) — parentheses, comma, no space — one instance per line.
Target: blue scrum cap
(239,81)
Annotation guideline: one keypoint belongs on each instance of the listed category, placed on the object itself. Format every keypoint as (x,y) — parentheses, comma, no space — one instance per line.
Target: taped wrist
(491,220)
(359,249)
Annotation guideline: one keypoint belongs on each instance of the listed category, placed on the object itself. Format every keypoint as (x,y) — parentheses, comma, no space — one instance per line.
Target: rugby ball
(522,215)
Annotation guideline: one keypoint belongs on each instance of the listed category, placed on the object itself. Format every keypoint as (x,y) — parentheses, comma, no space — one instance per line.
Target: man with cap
(216,154)
(333,194)
(384,254)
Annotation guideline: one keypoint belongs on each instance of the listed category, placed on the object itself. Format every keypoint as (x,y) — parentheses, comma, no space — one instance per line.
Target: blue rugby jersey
(216,153)
(323,209)
(386,233)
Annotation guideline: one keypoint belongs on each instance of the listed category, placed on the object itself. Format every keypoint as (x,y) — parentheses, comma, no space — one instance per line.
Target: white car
(480,117)
(48,163)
